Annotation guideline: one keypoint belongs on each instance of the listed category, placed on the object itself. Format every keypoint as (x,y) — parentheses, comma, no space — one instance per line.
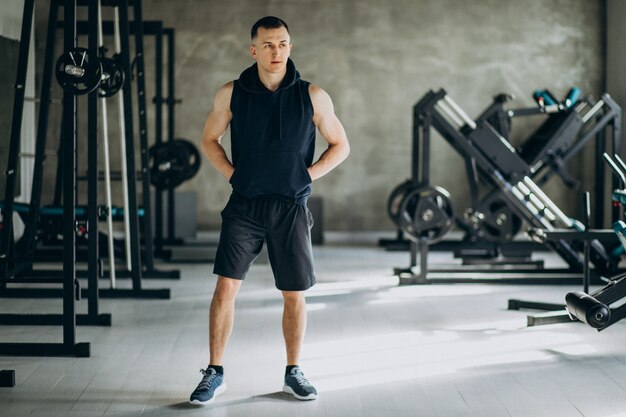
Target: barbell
(80,72)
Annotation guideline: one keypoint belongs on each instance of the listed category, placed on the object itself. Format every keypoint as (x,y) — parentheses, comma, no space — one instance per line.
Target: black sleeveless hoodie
(272,136)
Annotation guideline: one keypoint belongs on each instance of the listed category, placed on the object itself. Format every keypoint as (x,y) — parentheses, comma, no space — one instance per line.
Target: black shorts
(286,226)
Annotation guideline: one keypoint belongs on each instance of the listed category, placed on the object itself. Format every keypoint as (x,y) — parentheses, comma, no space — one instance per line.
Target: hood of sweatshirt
(250,82)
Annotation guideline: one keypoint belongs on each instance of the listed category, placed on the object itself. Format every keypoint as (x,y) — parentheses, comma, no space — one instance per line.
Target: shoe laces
(300,379)
(209,376)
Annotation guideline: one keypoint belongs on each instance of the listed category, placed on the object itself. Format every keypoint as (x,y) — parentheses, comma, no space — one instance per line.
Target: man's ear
(253,51)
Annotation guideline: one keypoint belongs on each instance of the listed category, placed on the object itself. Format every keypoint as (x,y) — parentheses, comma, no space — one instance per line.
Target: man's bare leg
(294,324)
(221,317)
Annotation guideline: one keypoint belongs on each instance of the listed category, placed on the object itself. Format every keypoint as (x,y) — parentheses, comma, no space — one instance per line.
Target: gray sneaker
(298,386)
(211,386)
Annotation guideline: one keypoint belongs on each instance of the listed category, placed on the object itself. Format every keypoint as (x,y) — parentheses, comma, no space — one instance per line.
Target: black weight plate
(426,214)
(500,224)
(112,77)
(168,165)
(193,158)
(78,71)
(395,198)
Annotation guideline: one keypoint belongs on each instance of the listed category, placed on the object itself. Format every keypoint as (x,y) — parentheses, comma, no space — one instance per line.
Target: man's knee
(226,288)
(292,297)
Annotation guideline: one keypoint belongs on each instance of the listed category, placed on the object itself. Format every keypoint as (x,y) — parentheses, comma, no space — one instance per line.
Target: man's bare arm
(331,130)
(214,128)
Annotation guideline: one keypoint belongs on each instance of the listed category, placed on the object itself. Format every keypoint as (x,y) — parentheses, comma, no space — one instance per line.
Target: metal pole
(135,250)
(143,139)
(92,174)
(124,168)
(69,187)
(107,165)
(171,103)
(158,134)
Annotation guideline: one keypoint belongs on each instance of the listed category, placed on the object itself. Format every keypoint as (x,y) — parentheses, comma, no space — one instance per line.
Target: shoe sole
(219,390)
(290,390)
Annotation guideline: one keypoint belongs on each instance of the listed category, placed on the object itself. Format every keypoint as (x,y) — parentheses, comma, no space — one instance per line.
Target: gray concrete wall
(376,59)
(11,19)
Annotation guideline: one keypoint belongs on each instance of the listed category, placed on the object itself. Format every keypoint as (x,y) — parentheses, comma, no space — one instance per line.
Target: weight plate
(395,198)
(172,163)
(113,77)
(168,165)
(78,71)
(500,223)
(426,214)
(193,157)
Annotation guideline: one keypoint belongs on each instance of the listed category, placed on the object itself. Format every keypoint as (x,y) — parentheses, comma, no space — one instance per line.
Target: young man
(273,115)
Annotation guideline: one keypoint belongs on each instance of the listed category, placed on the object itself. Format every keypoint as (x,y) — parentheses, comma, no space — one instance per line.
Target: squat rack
(135,258)
(68,347)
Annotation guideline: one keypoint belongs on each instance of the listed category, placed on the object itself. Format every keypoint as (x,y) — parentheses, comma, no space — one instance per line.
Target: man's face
(271,48)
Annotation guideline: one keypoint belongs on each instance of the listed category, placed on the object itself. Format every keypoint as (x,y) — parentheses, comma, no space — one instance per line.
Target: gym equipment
(151,245)
(165,225)
(490,157)
(425,214)
(493,219)
(112,78)
(111,83)
(24,272)
(546,152)
(172,163)
(130,248)
(587,309)
(78,71)
(395,198)
(594,309)
(112,74)
(68,347)
(7,378)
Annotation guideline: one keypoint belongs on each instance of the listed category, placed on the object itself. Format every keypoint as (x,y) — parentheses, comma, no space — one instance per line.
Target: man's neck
(272,80)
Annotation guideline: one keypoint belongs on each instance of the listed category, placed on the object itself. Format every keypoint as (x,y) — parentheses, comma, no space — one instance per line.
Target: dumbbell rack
(480,144)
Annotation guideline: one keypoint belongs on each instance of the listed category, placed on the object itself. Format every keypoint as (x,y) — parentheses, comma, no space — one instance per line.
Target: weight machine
(603,307)
(425,212)
(490,225)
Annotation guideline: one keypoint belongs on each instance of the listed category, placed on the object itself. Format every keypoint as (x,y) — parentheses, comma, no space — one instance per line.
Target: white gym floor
(372,349)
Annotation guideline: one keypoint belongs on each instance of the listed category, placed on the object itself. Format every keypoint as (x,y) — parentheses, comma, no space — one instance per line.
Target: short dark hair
(268,22)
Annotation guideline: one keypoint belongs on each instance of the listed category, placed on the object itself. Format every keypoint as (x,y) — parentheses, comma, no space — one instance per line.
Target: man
(273,115)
